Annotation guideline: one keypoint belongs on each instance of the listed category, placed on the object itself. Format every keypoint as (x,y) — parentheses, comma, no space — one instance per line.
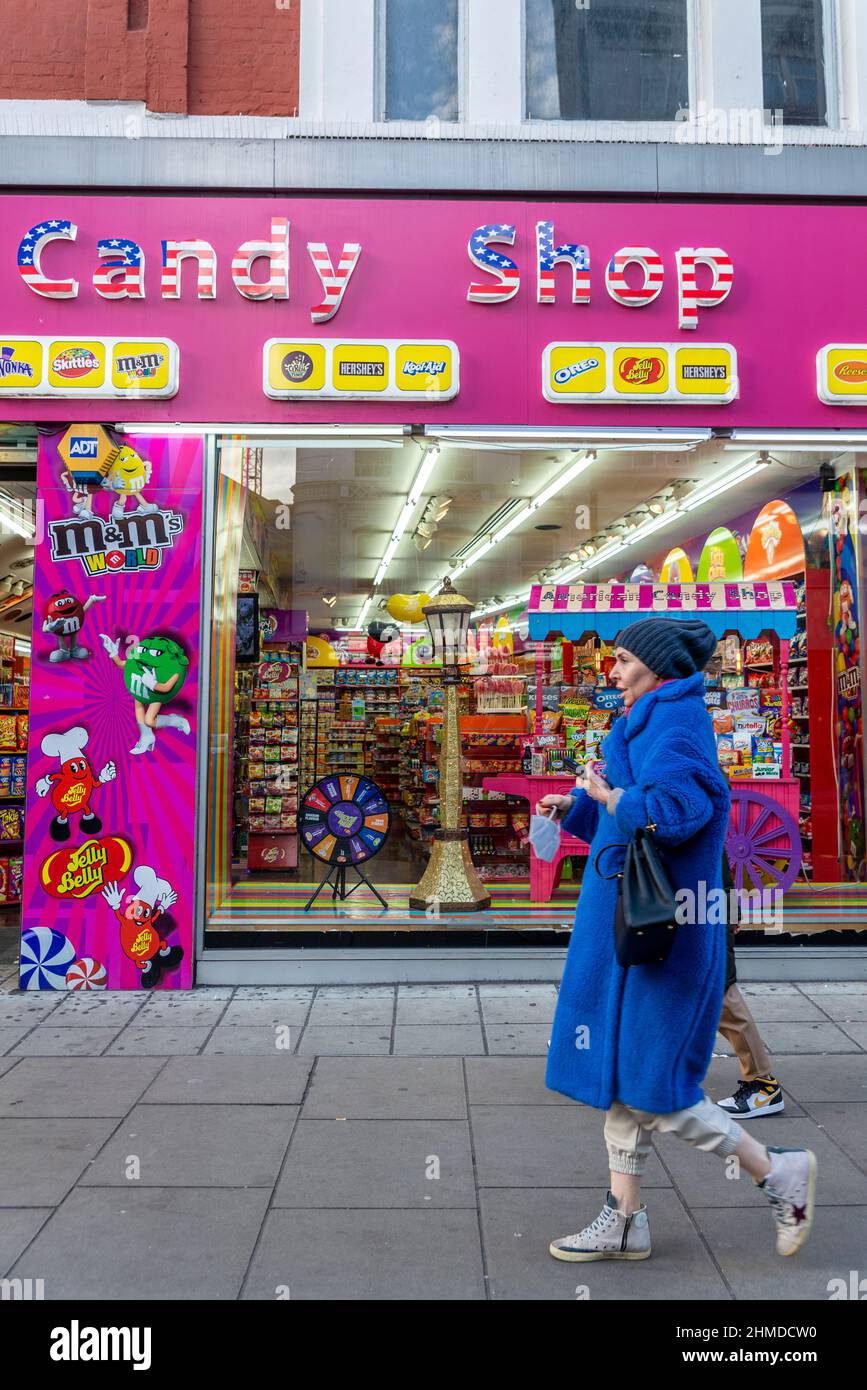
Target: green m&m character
(154,671)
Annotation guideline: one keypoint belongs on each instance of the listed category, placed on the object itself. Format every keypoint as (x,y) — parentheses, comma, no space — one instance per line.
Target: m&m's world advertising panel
(111,778)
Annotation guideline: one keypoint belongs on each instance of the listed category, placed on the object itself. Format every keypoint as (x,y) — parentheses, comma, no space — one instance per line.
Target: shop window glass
(612,60)
(421,60)
(793,60)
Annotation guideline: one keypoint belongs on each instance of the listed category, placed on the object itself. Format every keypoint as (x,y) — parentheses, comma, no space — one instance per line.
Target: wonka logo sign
(78,872)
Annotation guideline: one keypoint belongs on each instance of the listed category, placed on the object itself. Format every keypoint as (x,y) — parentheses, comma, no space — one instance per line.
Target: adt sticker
(84,447)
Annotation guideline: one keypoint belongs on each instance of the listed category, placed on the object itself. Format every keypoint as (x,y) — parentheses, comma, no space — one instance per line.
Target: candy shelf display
(266,762)
(497,824)
(763,843)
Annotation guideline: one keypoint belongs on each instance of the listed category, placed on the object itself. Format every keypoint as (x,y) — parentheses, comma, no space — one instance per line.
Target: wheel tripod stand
(336,877)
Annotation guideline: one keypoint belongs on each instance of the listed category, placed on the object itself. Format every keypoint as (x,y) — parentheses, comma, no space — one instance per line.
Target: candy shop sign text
(633,275)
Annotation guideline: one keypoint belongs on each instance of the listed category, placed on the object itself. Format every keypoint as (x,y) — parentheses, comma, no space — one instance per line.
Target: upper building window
(793,60)
(606,60)
(421,60)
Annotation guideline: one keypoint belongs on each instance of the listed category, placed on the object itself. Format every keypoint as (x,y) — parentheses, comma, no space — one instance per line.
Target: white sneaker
(790,1188)
(612,1236)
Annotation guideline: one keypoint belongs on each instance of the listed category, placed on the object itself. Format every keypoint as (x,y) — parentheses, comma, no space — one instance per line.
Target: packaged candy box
(11,823)
(16,878)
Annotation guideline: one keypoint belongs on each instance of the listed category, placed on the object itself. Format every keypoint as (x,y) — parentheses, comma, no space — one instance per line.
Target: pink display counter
(544,877)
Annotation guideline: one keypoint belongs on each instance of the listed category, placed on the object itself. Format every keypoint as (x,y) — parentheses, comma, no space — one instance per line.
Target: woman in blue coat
(636,1041)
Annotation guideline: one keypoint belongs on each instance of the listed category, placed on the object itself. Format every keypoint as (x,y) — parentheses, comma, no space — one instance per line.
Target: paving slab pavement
(265,1143)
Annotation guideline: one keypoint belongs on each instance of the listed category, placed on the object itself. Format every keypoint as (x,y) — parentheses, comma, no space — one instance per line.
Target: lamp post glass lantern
(450,882)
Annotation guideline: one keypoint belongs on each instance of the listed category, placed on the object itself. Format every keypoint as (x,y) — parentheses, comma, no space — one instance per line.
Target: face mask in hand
(545,836)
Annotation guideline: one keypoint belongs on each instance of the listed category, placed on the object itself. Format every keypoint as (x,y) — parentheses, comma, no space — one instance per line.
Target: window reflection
(619,60)
(421,60)
(793,60)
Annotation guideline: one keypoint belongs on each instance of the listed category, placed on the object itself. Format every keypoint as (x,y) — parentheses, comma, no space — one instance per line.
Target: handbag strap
(604,850)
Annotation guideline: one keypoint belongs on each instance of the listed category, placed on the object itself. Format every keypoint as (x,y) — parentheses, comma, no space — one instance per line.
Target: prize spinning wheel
(343,821)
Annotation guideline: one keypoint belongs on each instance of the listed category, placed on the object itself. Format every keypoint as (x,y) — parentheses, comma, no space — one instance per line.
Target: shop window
(793,60)
(612,60)
(421,60)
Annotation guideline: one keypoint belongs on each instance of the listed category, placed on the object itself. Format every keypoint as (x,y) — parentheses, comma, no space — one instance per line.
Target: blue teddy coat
(651,1027)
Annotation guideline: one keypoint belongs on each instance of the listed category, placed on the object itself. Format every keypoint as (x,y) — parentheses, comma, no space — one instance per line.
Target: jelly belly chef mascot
(140,938)
(153,673)
(127,474)
(72,787)
(64,616)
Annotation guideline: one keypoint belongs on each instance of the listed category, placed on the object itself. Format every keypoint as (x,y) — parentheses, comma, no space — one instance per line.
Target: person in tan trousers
(758,1092)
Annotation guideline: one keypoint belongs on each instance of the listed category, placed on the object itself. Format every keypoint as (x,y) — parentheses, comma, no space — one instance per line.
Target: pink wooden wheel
(763,842)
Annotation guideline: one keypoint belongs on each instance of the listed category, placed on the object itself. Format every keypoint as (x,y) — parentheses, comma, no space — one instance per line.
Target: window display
(358,699)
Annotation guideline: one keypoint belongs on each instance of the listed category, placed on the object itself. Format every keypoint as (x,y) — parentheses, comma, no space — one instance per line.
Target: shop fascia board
(551,167)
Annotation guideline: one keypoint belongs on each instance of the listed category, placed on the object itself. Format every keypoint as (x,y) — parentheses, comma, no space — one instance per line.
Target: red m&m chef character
(64,615)
(140,937)
(72,787)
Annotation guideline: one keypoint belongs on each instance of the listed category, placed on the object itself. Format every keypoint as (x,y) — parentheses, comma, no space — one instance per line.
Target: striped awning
(748,608)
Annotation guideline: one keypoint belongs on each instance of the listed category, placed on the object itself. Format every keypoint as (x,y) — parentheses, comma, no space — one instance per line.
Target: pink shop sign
(500,280)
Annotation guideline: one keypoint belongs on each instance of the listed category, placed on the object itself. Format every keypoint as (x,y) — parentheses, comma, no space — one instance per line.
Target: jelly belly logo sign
(78,872)
(645,370)
(113,526)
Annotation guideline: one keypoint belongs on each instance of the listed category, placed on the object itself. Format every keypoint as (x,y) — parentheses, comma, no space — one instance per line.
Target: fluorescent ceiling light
(16,524)
(414,496)
(285,431)
(857,438)
(359,622)
(550,490)
(724,486)
(568,437)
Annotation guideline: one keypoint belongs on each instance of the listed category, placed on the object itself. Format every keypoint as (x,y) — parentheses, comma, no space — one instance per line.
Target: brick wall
(199,57)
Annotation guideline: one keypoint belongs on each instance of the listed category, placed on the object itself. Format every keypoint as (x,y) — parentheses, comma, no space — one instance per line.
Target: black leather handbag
(645,922)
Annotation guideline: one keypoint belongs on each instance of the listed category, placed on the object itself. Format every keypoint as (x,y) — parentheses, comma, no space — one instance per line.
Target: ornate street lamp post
(450,880)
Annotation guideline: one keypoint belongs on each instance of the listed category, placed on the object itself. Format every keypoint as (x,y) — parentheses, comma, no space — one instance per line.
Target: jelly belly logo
(133,542)
(852,371)
(78,872)
(10,365)
(75,362)
(641,371)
